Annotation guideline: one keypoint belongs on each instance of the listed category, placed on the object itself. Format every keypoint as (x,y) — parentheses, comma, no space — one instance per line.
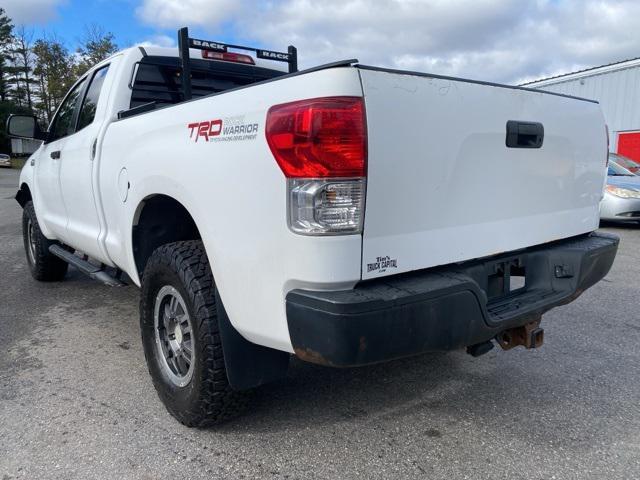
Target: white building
(617,88)
(22,146)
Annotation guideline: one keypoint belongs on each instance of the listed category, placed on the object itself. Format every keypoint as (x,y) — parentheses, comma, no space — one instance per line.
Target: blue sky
(69,19)
(114,16)
(508,41)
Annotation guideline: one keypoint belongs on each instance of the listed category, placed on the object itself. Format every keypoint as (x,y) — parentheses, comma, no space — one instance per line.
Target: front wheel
(181,339)
(43,265)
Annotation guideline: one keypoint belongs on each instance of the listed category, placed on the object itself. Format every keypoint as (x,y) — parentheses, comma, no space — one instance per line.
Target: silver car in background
(5,160)
(621,202)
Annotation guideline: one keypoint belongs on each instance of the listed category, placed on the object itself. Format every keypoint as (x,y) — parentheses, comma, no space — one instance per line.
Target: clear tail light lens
(326,207)
(321,147)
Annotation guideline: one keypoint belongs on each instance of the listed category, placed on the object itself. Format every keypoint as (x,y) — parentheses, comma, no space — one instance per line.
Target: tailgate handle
(524,134)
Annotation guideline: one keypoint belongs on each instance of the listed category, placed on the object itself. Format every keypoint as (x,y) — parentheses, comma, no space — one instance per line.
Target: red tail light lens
(319,138)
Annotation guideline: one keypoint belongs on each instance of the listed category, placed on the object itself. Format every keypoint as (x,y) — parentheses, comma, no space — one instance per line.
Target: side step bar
(85,267)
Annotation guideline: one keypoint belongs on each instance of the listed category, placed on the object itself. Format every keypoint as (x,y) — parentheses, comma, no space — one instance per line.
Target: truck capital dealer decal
(382,264)
(223,130)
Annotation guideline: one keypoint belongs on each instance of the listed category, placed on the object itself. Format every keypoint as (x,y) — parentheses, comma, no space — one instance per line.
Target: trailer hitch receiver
(529,336)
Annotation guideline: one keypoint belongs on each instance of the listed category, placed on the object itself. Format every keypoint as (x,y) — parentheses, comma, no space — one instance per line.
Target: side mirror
(25,126)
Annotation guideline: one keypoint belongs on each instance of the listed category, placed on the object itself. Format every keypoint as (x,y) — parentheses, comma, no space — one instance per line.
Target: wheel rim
(173,332)
(31,242)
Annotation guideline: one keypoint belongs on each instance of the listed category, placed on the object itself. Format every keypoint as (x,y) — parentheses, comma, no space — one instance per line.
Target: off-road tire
(208,398)
(43,265)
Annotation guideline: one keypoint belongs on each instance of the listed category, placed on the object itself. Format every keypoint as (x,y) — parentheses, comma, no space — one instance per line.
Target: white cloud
(178,13)
(158,41)
(499,40)
(24,12)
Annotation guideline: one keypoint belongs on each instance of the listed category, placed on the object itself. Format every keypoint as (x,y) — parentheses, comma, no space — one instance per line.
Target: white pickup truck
(346,214)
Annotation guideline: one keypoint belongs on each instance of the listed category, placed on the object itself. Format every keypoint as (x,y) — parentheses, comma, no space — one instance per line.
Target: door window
(62,124)
(90,104)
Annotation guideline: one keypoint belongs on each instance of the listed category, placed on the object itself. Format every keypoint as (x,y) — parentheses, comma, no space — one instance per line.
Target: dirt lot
(76,400)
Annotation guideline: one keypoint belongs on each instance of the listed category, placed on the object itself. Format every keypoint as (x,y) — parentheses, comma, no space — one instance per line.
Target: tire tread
(48,267)
(216,400)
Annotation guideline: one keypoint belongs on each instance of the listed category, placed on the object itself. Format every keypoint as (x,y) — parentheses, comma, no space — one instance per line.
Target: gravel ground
(76,400)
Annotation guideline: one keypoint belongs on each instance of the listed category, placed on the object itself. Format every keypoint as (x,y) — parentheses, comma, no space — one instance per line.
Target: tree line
(37,71)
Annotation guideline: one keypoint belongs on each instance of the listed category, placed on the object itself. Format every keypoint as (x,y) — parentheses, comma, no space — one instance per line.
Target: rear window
(157,79)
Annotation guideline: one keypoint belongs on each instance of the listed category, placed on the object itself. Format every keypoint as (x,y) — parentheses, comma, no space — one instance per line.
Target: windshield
(616,170)
(623,161)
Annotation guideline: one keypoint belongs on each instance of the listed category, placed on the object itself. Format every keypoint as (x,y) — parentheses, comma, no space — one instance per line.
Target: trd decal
(205,129)
(223,129)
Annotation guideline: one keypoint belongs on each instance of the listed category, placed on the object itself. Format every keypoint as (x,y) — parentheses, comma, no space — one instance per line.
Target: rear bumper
(443,308)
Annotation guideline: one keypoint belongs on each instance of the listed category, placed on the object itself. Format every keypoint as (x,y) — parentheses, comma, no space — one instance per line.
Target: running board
(85,267)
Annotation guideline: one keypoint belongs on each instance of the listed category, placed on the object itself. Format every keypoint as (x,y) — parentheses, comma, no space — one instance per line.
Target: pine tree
(6,40)
(36,75)
(22,59)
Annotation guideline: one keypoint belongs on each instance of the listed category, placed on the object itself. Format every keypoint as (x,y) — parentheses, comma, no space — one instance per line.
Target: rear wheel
(43,265)
(181,339)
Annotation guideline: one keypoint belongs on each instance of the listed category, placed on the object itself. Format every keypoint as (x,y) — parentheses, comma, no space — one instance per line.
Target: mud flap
(248,365)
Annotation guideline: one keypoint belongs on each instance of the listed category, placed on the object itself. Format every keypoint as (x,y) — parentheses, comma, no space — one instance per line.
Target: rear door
(78,165)
(443,186)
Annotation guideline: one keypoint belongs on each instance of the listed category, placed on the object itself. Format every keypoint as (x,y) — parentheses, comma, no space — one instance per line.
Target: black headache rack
(185,43)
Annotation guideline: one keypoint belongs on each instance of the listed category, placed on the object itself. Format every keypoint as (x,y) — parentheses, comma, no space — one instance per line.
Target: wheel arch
(159,219)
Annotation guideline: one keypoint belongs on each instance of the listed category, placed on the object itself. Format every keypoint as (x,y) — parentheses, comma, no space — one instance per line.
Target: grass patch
(18,162)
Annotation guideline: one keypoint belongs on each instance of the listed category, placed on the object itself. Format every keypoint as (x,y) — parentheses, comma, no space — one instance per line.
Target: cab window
(62,124)
(90,104)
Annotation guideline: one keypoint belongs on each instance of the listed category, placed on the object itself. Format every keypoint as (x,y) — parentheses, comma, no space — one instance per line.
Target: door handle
(55,154)
(524,134)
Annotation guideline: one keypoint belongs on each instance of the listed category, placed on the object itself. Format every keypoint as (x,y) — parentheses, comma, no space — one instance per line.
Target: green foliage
(20,72)
(35,75)
(54,71)
(6,37)
(96,46)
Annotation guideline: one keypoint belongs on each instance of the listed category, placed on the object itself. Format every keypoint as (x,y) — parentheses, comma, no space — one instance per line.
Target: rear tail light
(228,57)
(321,147)
(322,137)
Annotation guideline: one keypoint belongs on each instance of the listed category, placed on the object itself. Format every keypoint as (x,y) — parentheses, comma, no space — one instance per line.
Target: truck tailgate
(444,187)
